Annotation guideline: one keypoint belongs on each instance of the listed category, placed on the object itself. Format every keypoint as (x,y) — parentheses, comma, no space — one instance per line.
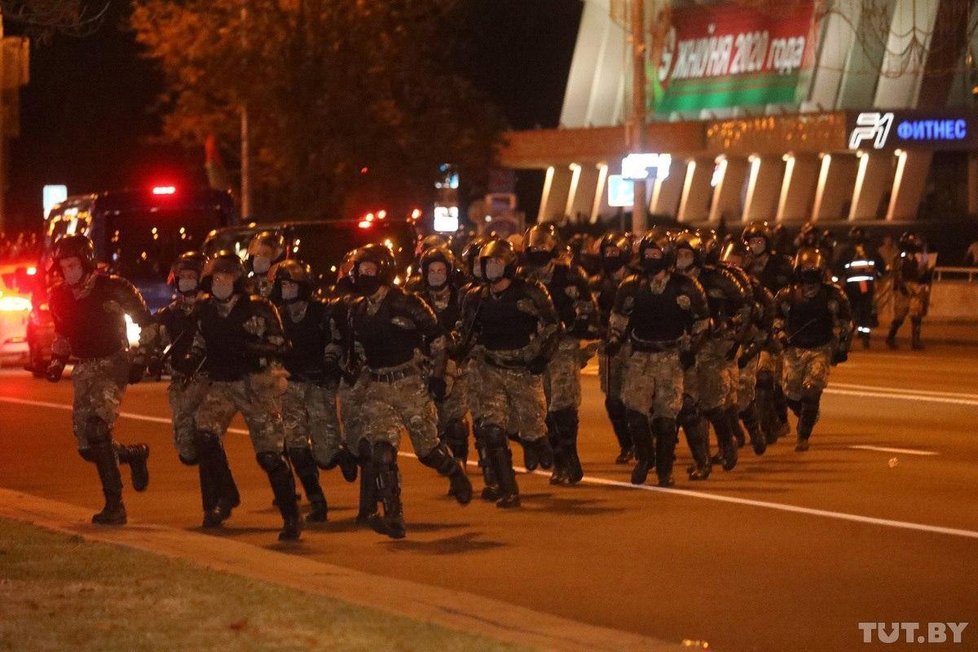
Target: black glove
(537,365)
(137,369)
(438,388)
(55,370)
(743,361)
(840,356)
(155,367)
(687,359)
(612,347)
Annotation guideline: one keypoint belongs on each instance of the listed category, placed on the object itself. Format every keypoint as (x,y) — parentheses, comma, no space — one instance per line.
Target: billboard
(727,55)
(886,130)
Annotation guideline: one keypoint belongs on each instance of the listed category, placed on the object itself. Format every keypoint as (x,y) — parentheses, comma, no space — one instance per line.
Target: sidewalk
(457,610)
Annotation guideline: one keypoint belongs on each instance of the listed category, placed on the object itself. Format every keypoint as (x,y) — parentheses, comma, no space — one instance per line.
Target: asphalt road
(877,523)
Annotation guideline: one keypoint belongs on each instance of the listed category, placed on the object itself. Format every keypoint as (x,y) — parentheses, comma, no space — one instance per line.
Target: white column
(873,178)
(909,180)
(667,192)
(695,199)
(836,179)
(585,187)
(798,187)
(764,180)
(556,189)
(728,195)
(600,207)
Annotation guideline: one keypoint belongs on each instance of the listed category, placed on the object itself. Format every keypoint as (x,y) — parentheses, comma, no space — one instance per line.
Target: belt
(393,376)
(653,346)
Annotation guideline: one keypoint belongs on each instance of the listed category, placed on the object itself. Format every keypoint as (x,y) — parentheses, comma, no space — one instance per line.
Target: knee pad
(302,459)
(665,430)
(384,454)
(270,461)
(615,408)
(97,432)
(565,421)
(87,454)
(364,451)
(689,411)
(810,396)
(188,461)
(204,439)
(637,422)
(494,436)
(765,379)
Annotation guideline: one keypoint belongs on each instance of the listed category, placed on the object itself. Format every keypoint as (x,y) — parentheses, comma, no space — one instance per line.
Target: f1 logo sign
(874,126)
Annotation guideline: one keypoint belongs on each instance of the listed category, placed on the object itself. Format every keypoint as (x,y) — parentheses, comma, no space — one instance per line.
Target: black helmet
(758,229)
(270,239)
(857,234)
(614,250)
(440,254)
(296,272)
(809,265)
(188,260)
(809,236)
(692,241)
(429,242)
(227,262)
(502,249)
(711,246)
(540,244)
(76,246)
(910,243)
(734,249)
(380,256)
(470,254)
(656,238)
(346,267)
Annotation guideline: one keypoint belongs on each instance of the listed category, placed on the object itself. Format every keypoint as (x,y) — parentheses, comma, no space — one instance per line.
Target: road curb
(457,610)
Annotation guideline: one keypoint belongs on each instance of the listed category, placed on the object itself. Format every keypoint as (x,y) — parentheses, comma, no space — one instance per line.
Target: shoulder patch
(683,301)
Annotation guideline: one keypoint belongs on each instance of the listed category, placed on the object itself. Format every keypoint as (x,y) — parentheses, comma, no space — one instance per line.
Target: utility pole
(245,136)
(637,137)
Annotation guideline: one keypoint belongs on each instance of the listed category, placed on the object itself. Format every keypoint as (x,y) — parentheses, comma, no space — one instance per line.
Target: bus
(137,234)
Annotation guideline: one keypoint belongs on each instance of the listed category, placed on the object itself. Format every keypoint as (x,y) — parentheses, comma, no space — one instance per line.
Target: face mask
(757,248)
(494,270)
(74,277)
(683,263)
(538,258)
(290,293)
(367,285)
(612,263)
(437,279)
(261,264)
(187,286)
(222,290)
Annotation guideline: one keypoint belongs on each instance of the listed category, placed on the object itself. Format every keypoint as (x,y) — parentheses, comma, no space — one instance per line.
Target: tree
(41,18)
(351,103)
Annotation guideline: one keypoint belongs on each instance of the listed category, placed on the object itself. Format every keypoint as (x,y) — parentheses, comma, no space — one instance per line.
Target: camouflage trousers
(711,382)
(184,403)
(351,400)
(392,407)
(309,418)
(99,384)
(456,404)
(746,385)
(913,303)
(653,383)
(258,400)
(612,372)
(805,369)
(512,399)
(562,377)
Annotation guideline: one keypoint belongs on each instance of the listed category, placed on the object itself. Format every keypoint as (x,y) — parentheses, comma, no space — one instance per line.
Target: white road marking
(903,390)
(923,398)
(903,451)
(842,516)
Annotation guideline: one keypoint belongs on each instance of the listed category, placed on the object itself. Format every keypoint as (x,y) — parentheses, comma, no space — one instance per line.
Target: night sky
(88,120)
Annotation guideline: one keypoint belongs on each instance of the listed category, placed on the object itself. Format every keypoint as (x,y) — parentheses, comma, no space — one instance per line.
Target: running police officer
(177,323)
(511,328)
(392,326)
(89,310)
(265,250)
(860,267)
(664,316)
(911,289)
(239,345)
(814,326)
(571,296)
(614,253)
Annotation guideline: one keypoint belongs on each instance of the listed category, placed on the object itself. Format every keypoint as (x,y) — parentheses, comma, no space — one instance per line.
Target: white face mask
(757,248)
(437,279)
(495,270)
(186,285)
(290,292)
(222,290)
(261,264)
(74,276)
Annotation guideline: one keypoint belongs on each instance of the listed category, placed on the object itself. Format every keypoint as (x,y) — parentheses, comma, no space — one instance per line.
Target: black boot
(619,424)
(567,424)
(490,489)
(665,432)
(219,493)
(135,455)
(764,398)
(388,483)
(101,453)
(638,427)
(555,441)
(442,460)
(757,440)
(347,462)
(891,336)
(283,488)
(725,440)
(500,458)
(368,483)
(810,401)
(915,342)
(208,497)
(780,408)
(457,438)
(308,472)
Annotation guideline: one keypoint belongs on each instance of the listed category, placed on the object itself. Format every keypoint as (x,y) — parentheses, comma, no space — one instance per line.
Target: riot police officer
(571,296)
(89,309)
(511,329)
(911,289)
(664,316)
(265,250)
(309,411)
(860,267)
(392,326)
(813,324)
(239,345)
(177,324)
(614,254)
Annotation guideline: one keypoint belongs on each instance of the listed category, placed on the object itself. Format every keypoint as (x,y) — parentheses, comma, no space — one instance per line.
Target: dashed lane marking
(603,482)
(883,449)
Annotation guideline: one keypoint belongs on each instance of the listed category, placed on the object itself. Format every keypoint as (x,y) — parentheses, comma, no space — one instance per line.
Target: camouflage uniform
(99,384)
(516,400)
(185,400)
(654,383)
(258,398)
(806,369)
(402,404)
(310,419)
